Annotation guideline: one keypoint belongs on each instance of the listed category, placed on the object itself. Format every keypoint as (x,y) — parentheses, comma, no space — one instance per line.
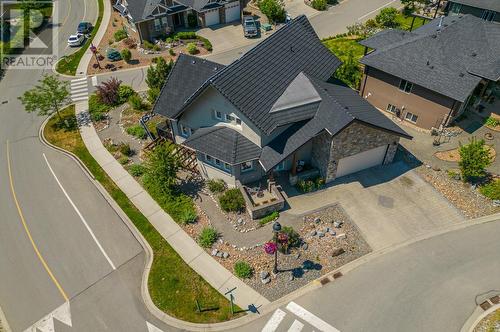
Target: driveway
(389,204)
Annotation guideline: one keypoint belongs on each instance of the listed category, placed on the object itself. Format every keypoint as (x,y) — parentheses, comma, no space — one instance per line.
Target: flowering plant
(270,248)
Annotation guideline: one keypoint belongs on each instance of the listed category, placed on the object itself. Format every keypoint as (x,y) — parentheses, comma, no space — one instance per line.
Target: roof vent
(461,74)
(428,63)
(346,108)
(434,36)
(216,68)
(193,62)
(291,49)
(431,67)
(474,54)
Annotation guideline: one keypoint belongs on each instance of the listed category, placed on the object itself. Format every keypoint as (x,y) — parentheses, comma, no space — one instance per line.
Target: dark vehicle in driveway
(250,27)
(84,28)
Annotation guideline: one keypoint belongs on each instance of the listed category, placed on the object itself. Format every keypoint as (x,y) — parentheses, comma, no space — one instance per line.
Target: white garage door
(212,17)
(361,161)
(233,12)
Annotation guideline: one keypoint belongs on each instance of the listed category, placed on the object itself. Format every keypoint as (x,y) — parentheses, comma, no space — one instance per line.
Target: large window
(411,117)
(405,86)
(218,163)
(488,15)
(218,115)
(157,24)
(246,166)
(455,8)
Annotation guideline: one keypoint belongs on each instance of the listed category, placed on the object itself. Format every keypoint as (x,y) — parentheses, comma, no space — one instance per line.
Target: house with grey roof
(430,76)
(275,111)
(158,18)
(488,10)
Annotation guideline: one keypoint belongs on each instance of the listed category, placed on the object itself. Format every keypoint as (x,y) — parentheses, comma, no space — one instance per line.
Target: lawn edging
(154,310)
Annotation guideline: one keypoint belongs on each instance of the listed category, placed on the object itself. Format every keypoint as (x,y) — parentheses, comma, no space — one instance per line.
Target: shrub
(136,102)
(97,109)
(206,43)
(232,200)
(171,51)
(491,189)
(108,91)
(216,186)
(137,131)
(186,35)
(137,170)
(156,48)
(153,94)
(126,54)
(273,9)
(207,237)
(124,93)
(192,21)
(492,122)
(123,160)
(293,241)
(148,45)
(270,217)
(474,158)
(387,18)
(243,269)
(120,35)
(191,48)
(453,175)
(126,150)
(319,4)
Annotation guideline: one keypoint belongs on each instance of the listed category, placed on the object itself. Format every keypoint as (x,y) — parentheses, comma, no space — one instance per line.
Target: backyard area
(120,47)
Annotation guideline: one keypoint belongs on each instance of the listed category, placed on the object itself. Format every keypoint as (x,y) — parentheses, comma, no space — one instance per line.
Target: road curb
(477,316)
(3,322)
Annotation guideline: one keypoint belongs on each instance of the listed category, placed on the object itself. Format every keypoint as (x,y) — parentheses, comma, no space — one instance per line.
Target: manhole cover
(485,305)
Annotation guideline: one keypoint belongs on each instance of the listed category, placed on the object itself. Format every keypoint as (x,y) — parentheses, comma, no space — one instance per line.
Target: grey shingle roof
(255,81)
(339,107)
(141,9)
(449,59)
(484,4)
(386,37)
(223,143)
(186,77)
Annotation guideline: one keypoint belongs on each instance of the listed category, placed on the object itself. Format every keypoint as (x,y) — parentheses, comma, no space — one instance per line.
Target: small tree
(47,97)
(387,18)
(108,92)
(161,168)
(158,72)
(349,72)
(474,158)
(126,55)
(273,10)
(410,5)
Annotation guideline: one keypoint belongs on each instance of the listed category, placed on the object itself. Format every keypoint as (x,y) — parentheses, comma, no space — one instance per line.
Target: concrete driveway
(389,204)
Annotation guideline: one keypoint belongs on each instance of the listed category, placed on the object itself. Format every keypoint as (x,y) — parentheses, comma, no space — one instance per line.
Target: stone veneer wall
(356,138)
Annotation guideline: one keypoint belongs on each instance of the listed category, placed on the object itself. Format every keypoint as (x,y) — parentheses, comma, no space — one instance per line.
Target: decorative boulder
(337,251)
(341,236)
(264,274)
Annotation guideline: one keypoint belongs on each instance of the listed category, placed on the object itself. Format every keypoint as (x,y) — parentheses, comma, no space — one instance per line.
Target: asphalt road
(431,285)
(59,239)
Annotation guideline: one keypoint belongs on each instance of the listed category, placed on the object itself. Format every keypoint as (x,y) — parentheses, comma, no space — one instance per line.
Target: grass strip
(174,287)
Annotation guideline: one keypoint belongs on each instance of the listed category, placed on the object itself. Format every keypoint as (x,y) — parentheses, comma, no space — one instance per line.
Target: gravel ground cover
(314,258)
(490,323)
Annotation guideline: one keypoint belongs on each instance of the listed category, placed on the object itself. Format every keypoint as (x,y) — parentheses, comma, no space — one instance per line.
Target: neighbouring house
(430,76)
(158,18)
(274,113)
(488,10)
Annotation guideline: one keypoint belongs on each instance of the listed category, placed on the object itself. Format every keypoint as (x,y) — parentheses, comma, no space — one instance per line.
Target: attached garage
(212,17)
(233,11)
(361,161)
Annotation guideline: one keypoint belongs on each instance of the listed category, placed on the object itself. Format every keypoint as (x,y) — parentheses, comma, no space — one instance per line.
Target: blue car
(84,28)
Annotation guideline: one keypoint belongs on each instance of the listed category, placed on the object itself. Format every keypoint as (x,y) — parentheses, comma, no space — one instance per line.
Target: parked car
(76,40)
(84,28)
(250,27)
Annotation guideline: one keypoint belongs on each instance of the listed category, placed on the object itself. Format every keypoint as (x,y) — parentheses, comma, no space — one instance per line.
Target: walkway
(200,261)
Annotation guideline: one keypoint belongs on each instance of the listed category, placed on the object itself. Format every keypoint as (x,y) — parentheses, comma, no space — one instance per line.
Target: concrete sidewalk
(200,261)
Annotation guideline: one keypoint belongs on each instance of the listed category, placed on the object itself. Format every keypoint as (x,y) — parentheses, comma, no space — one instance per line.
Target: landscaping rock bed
(463,196)
(490,323)
(329,240)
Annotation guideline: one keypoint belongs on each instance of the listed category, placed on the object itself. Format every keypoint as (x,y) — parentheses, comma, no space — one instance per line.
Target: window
(185,131)
(227,167)
(280,166)
(157,24)
(411,117)
(218,114)
(164,20)
(488,15)
(405,86)
(229,118)
(455,8)
(209,158)
(391,108)
(217,162)
(246,166)
(238,122)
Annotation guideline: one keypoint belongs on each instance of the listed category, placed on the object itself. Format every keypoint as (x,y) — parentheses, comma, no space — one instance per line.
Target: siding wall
(383,89)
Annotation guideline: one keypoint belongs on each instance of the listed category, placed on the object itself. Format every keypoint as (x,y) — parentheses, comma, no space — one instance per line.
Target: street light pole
(276,230)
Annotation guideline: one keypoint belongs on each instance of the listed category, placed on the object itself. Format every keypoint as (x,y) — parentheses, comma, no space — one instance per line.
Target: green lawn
(69,64)
(343,45)
(405,22)
(173,285)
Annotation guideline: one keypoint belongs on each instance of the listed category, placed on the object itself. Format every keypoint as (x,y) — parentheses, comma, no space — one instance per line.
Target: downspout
(367,68)
(445,123)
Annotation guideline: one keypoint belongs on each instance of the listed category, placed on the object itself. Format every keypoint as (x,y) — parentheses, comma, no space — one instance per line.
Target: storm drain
(495,299)
(337,275)
(485,305)
(324,281)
